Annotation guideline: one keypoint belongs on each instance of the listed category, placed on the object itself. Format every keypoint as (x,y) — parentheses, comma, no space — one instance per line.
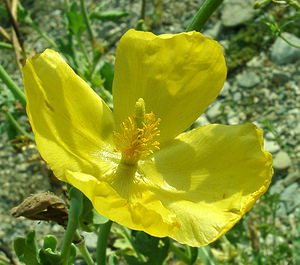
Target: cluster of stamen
(138,136)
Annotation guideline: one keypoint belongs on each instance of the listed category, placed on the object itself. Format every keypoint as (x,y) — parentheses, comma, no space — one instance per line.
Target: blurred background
(261,41)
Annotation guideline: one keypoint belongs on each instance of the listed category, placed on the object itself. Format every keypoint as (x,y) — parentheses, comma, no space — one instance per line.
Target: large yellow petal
(130,204)
(209,177)
(177,75)
(71,124)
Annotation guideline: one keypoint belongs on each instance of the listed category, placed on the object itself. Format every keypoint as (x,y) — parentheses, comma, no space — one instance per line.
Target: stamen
(138,137)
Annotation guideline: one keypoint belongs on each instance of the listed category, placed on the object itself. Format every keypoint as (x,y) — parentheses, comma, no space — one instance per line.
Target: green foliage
(108,15)
(26,249)
(75,20)
(245,44)
(147,246)
(107,73)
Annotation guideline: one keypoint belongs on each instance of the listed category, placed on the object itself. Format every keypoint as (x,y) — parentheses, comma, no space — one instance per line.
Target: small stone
(291,178)
(270,136)
(280,77)
(214,31)
(248,80)
(202,120)
(282,161)
(237,12)
(282,52)
(271,146)
(90,239)
(277,187)
(225,89)
(214,111)
(297,129)
(291,197)
(237,96)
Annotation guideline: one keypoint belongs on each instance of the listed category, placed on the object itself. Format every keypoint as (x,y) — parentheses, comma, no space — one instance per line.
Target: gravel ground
(264,90)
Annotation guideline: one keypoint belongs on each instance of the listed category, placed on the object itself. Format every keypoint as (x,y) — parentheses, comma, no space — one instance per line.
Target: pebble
(282,161)
(291,178)
(248,79)
(280,77)
(297,129)
(271,146)
(202,120)
(225,89)
(291,197)
(282,52)
(237,12)
(214,31)
(214,111)
(277,188)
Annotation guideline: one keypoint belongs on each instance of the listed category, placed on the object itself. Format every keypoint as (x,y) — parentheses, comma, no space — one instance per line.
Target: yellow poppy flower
(133,163)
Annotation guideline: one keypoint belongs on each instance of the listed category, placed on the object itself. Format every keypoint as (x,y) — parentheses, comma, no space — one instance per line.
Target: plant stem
(203,14)
(75,211)
(44,35)
(87,21)
(180,254)
(5,45)
(288,42)
(15,89)
(83,50)
(83,249)
(17,126)
(102,243)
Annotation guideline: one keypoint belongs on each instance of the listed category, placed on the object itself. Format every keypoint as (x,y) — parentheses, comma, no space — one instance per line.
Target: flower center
(138,136)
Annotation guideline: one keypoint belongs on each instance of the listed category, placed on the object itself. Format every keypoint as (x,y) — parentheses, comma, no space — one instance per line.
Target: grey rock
(248,79)
(271,146)
(277,187)
(282,52)
(281,77)
(291,197)
(270,136)
(202,120)
(90,239)
(282,161)
(297,129)
(214,111)
(291,178)
(225,89)
(237,96)
(214,31)
(237,12)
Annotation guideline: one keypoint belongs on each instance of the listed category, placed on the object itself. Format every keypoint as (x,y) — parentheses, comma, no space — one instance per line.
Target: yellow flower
(133,163)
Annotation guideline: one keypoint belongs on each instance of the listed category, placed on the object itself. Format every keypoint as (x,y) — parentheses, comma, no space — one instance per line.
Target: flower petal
(137,208)
(178,76)
(71,124)
(209,177)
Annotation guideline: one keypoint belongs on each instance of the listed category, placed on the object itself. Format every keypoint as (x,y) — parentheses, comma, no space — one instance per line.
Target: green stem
(102,243)
(288,42)
(15,89)
(87,21)
(44,35)
(75,211)
(129,240)
(179,253)
(83,50)
(4,45)
(17,126)
(83,249)
(203,14)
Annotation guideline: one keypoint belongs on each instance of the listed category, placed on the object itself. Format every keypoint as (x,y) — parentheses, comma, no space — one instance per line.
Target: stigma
(138,135)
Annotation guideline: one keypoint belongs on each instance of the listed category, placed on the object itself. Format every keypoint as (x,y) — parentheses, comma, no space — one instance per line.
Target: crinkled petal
(71,124)
(131,204)
(177,75)
(209,177)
